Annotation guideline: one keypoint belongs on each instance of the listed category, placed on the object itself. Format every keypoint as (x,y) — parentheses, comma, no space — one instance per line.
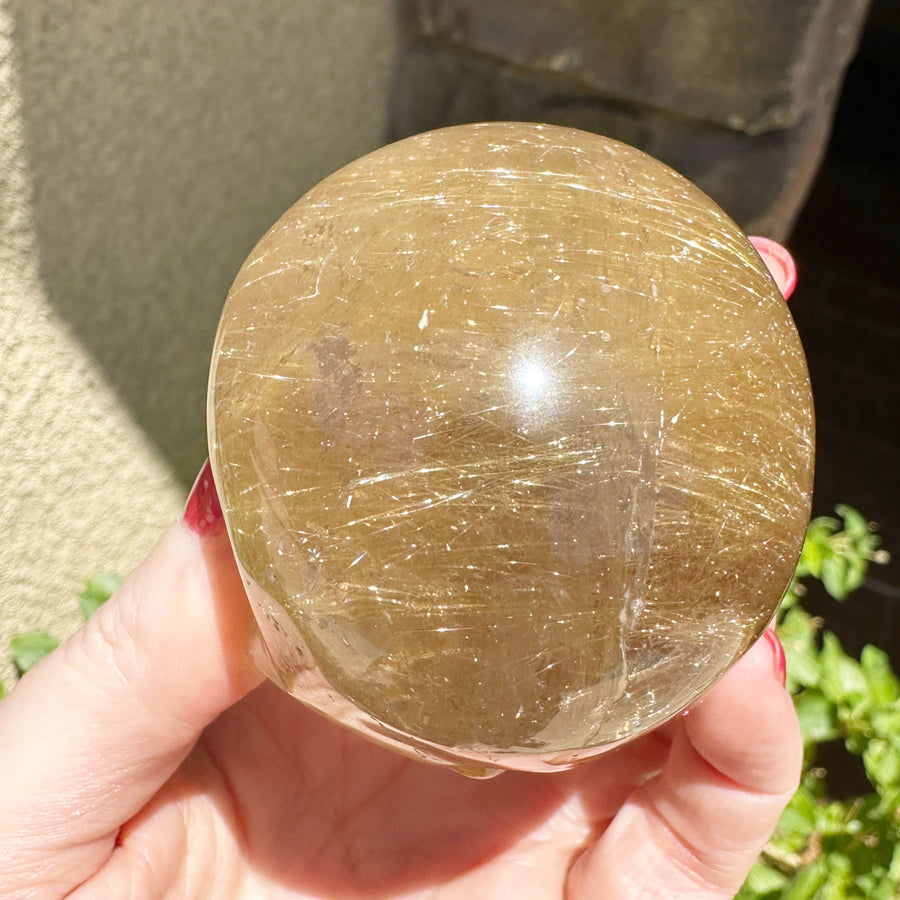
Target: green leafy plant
(828,847)
(30,648)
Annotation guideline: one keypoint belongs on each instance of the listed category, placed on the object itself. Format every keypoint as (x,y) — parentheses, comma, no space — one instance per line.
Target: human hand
(145,759)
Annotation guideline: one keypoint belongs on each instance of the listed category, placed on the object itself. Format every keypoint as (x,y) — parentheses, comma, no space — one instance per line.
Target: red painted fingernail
(203,512)
(778,654)
(779,262)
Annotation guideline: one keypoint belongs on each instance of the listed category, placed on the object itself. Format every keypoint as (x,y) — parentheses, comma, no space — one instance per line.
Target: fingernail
(779,262)
(777,654)
(203,512)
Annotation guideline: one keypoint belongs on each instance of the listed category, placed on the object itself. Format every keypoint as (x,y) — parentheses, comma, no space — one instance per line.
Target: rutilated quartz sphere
(513,434)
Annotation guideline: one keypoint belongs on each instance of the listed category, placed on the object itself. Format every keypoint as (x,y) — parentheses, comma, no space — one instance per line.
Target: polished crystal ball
(513,434)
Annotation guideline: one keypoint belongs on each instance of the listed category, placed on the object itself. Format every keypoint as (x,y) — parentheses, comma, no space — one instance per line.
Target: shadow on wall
(162,141)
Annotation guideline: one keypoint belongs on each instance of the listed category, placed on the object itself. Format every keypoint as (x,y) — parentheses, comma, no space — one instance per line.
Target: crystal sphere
(513,435)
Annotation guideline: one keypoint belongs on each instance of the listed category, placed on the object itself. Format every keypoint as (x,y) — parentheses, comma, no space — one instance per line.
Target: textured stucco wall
(144,147)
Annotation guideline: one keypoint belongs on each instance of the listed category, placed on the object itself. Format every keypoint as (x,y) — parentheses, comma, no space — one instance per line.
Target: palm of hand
(272,801)
(275,801)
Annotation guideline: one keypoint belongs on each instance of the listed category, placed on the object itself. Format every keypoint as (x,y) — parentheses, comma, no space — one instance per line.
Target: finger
(696,829)
(91,733)
(779,262)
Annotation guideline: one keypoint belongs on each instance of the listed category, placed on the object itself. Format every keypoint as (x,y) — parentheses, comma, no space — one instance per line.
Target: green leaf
(797,634)
(842,678)
(796,825)
(882,761)
(97,590)
(816,546)
(818,718)
(884,686)
(814,552)
(894,870)
(856,568)
(840,876)
(885,722)
(886,889)
(835,576)
(855,524)
(763,881)
(831,818)
(809,881)
(813,781)
(889,804)
(856,742)
(804,803)
(30,648)
(823,527)
(2,690)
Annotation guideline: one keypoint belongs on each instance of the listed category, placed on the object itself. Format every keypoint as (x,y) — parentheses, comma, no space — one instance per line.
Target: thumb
(92,733)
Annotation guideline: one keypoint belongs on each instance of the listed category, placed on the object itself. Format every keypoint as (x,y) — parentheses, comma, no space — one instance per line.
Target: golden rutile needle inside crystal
(513,434)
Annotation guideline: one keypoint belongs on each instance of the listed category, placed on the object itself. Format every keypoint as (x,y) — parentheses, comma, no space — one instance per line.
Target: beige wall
(144,147)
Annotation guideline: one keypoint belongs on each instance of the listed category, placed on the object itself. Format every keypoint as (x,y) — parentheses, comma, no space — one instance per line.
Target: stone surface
(513,435)
(754,67)
(760,180)
(737,97)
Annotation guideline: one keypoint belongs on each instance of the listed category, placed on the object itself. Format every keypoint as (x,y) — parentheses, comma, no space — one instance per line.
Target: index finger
(91,733)
(696,829)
